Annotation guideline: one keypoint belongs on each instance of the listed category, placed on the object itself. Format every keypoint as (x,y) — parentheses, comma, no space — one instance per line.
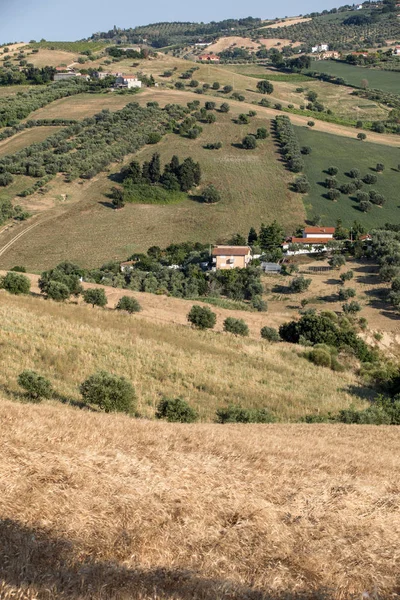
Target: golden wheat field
(97,506)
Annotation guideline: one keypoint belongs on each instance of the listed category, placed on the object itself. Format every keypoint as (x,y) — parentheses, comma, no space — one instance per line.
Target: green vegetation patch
(290,77)
(71,46)
(346,154)
(152,194)
(387,81)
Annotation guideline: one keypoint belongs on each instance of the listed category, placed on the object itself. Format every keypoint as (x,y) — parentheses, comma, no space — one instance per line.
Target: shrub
(332,170)
(361,136)
(380,167)
(333,194)
(154,137)
(210,105)
(210,194)
(306,150)
(262,133)
(347,276)
(109,392)
(16,283)
(355,173)
(237,414)
(331,183)
(346,293)
(18,269)
(259,304)
(301,185)
(337,261)
(351,307)
(236,326)
(202,317)
(365,205)
(243,119)
(36,386)
(310,123)
(128,304)
(370,179)
(270,334)
(58,291)
(362,197)
(225,108)
(216,85)
(176,411)
(299,284)
(265,87)
(320,357)
(249,142)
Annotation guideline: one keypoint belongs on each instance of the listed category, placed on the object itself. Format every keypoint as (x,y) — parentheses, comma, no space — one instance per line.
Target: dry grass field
(98,507)
(26,138)
(163,356)
(242,42)
(82,105)
(288,22)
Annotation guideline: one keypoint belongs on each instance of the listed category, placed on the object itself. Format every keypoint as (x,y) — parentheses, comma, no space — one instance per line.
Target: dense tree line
(290,146)
(15,108)
(30,75)
(181,270)
(10,131)
(175,176)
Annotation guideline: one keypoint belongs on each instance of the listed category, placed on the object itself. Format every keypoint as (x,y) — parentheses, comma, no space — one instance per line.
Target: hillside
(162,356)
(97,506)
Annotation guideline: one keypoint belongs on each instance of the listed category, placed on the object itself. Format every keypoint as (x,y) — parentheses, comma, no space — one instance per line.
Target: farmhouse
(315,239)
(231,257)
(212,58)
(127,81)
(320,48)
(397,50)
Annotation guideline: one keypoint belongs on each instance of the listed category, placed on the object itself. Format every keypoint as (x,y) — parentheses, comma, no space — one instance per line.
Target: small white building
(320,48)
(397,51)
(127,81)
(315,239)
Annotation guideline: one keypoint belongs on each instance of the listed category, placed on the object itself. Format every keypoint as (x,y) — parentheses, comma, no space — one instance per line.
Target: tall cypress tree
(271,236)
(155,168)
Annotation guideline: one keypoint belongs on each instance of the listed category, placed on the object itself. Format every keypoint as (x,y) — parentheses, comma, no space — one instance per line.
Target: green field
(345,153)
(71,46)
(387,81)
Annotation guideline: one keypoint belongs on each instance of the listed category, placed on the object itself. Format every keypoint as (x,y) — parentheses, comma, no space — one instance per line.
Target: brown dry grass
(162,355)
(242,42)
(108,508)
(288,22)
(25,138)
(82,105)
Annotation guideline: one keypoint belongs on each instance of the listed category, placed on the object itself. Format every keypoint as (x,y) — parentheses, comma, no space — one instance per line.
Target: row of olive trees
(203,318)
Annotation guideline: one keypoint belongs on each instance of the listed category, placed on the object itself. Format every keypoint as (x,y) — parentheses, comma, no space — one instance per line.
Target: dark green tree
(95,297)
(109,392)
(176,410)
(16,283)
(270,236)
(265,87)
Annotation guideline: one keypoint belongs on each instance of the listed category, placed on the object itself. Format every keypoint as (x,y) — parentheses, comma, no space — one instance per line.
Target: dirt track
(167,96)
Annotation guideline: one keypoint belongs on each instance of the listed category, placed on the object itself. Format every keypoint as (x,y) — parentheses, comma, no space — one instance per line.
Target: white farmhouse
(320,48)
(128,81)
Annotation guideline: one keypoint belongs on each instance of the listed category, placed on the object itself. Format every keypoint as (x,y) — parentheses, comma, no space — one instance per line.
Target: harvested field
(287,22)
(82,105)
(234,41)
(100,506)
(25,138)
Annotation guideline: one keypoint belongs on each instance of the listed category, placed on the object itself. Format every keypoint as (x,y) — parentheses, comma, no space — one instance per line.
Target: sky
(69,20)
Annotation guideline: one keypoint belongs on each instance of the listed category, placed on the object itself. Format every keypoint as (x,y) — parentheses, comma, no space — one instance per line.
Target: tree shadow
(361,391)
(35,560)
(72,402)
(107,204)
(116,177)
(333,282)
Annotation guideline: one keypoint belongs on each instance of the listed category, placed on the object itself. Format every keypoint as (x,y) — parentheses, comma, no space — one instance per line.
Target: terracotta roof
(231,251)
(310,241)
(128,76)
(319,230)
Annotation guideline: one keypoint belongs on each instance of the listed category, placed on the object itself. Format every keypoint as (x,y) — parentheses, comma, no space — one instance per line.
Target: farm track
(323,126)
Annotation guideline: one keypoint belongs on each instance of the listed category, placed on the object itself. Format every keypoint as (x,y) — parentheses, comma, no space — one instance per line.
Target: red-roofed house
(319,232)
(231,257)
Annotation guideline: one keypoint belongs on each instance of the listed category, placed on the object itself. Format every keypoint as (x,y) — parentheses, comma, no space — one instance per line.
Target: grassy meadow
(83,105)
(345,154)
(254,186)
(67,343)
(26,138)
(387,81)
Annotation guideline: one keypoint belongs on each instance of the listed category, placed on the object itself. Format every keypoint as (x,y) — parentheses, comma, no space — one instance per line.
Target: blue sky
(65,20)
